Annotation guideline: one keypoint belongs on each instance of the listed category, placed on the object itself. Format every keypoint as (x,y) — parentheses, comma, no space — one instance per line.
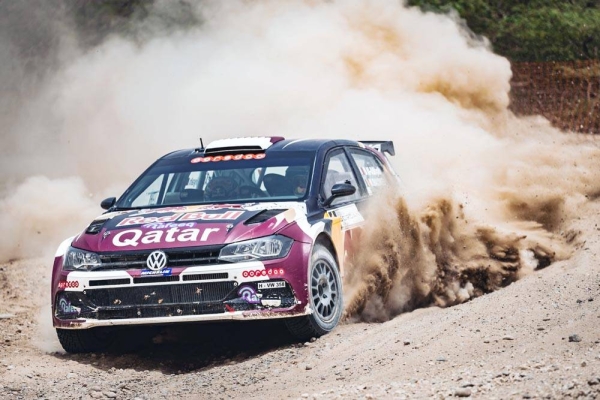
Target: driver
(220,188)
(299,179)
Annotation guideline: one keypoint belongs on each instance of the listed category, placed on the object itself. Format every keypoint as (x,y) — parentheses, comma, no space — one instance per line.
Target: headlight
(265,248)
(80,260)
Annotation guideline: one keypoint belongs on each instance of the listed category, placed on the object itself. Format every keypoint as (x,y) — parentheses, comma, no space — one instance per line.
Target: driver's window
(338,170)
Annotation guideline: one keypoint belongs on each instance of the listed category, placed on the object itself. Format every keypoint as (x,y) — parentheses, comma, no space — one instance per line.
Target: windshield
(222,179)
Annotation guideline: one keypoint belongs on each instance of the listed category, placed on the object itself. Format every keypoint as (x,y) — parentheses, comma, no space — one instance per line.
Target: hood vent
(263,216)
(95,227)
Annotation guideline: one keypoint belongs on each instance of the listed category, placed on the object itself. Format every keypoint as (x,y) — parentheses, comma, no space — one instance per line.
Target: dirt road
(537,338)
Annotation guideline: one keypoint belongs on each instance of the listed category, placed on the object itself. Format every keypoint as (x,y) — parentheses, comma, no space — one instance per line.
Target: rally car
(246,228)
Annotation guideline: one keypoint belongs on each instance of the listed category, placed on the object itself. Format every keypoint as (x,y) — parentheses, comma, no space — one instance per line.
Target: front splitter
(228,316)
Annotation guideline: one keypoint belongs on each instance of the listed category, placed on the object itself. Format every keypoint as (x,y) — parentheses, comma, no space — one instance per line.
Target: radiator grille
(206,277)
(161,295)
(110,282)
(156,279)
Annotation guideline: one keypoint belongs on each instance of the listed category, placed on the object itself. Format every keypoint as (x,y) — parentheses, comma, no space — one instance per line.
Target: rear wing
(381,146)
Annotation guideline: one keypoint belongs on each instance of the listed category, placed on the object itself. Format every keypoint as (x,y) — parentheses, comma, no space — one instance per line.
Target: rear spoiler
(381,146)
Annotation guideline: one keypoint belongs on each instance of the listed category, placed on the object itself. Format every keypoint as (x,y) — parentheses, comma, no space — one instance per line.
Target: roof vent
(241,145)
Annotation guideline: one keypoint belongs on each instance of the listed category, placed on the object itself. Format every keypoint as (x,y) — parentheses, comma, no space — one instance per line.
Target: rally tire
(324,297)
(84,340)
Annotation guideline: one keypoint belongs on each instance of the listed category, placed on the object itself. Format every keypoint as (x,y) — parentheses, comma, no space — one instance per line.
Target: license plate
(271,285)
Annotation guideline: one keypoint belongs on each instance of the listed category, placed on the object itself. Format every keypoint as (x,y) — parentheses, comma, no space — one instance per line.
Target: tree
(537,30)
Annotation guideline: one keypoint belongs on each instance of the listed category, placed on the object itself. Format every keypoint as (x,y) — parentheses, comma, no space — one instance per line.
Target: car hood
(186,226)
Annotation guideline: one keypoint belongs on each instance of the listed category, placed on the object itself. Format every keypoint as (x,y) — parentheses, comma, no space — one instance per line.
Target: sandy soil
(515,343)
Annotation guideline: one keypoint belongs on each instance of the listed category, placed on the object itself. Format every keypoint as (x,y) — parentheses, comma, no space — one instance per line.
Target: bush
(540,30)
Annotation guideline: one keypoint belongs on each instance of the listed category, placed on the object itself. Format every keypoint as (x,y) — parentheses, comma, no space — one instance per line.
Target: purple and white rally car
(246,228)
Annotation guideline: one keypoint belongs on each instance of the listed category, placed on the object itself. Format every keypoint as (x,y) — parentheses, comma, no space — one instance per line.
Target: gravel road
(537,338)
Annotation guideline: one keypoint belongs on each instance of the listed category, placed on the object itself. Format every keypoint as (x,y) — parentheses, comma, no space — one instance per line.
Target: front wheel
(84,340)
(324,296)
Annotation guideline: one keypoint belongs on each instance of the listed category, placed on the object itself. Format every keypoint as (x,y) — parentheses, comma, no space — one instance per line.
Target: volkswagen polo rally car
(245,228)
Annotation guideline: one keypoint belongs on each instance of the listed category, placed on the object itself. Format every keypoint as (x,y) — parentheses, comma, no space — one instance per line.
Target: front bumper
(239,291)
(231,316)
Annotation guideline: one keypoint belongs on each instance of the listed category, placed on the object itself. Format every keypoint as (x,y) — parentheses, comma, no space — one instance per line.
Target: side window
(338,170)
(370,169)
(150,194)
(193,180)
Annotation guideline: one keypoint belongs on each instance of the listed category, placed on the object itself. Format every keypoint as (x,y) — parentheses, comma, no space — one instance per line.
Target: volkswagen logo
(157,260)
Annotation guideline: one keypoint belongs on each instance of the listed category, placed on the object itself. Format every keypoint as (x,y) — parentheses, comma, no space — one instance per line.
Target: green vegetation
(535,30)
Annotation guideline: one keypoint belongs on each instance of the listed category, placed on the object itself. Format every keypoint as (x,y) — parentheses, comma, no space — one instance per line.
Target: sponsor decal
(373,177)
(169,225)
(68,284)
(252,273)
(133,237)
(230,157)
(182,217)
(65,306)
(186,209)
(248,294)
(162,272)
(203,216)
(262,272)
(271,285)
(351,217)
(271,302)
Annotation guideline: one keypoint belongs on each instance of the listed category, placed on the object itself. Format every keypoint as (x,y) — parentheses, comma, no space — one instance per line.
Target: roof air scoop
(241,145)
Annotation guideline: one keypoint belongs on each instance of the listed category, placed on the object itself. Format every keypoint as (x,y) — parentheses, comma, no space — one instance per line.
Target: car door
(338,169)
(343,211)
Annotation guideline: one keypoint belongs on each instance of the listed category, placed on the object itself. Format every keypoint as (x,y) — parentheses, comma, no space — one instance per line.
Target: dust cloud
(438,256)
(492,224)
(486,196)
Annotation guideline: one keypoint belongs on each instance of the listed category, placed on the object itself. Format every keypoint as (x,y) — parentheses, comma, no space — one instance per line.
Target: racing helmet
(220,188)
(298,177)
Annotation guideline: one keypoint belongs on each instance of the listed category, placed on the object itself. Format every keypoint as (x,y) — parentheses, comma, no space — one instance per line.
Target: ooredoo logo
(262,272)
(234,157)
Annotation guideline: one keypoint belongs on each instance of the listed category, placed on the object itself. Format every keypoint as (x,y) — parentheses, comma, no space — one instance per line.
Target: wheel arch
(325,240)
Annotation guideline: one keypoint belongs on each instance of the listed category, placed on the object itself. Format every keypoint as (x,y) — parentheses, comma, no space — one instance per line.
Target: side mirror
(108,203)
(339,190)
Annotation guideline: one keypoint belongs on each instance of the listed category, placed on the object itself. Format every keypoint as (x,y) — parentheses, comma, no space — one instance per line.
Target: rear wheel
(84,340)
(324,296)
